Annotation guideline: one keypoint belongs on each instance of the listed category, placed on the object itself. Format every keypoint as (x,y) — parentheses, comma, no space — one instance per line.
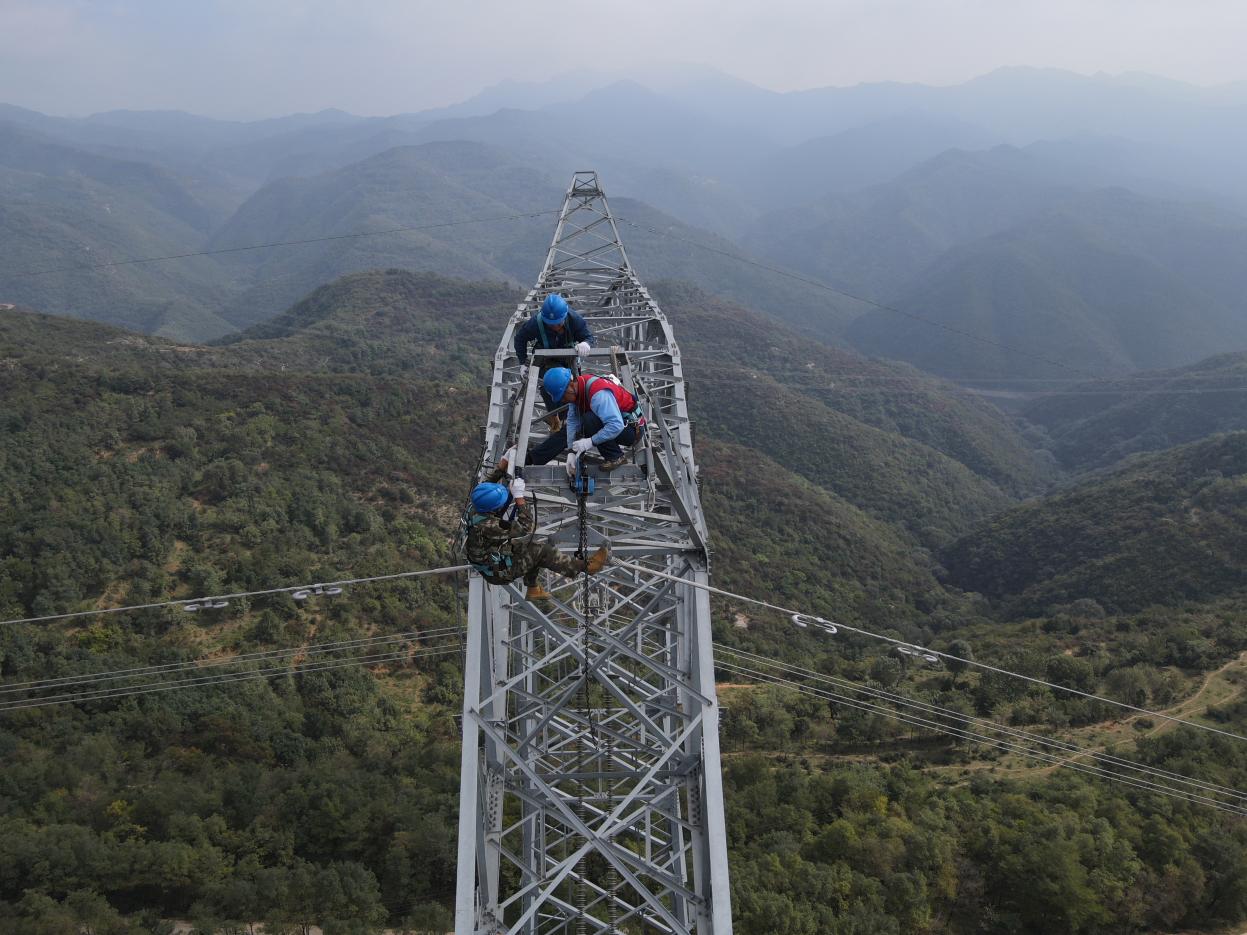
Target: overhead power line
(966,734)
(919,713)
(346,582)
(225,678)
(1067,749)
(312,649)
(277,243)
(935,652)
(202,601)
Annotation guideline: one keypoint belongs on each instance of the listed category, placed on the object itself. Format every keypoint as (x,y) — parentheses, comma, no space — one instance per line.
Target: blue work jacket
(575,329)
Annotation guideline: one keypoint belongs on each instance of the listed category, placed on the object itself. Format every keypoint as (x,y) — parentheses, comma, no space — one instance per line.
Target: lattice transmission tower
(591,797)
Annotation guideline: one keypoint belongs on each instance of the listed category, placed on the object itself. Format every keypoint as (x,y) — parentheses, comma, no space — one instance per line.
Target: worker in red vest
(600,413)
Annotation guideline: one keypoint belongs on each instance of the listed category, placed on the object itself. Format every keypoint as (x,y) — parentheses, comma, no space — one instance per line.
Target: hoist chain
(581,749)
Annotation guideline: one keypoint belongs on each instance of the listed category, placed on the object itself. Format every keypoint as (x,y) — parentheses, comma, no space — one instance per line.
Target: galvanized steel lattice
(591,796)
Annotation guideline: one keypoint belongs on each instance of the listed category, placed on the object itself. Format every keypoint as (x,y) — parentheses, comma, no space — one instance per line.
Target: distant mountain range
(1103,282)
(1094,221)
(63,207)
(1096,424)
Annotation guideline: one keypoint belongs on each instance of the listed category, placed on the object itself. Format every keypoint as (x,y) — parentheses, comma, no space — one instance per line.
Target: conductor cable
(290,589)
(991,741)
(312,649)
(934,652)
(1072,750)
(220,679)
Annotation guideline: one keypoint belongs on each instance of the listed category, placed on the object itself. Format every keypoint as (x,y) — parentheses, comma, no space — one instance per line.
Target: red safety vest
(587,385)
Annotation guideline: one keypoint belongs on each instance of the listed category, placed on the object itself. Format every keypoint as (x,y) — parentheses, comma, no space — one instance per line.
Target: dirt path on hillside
(1214,689)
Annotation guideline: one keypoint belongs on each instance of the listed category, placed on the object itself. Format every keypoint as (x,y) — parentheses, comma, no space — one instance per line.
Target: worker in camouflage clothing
(500,543)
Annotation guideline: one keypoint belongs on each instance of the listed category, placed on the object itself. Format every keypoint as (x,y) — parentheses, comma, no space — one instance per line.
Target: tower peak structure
(591,797)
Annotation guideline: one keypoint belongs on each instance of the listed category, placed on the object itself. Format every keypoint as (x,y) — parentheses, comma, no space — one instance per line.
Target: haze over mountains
(1093,221)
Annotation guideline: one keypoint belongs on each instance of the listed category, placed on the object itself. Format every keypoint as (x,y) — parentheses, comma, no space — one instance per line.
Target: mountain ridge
(1162,528)
(1065,286)
(1094,425)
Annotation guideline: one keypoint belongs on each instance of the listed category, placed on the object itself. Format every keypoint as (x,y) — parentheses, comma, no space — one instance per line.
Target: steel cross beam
(591,797)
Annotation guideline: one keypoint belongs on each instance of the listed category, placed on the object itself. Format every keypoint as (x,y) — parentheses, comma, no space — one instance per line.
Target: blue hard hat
(555,382)
(489,497)
(554,309)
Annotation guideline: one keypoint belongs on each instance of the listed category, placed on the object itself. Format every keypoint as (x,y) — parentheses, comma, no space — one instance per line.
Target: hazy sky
(247,58)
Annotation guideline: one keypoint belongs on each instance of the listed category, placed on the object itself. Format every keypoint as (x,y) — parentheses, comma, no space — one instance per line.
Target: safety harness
(497,562)
(629,405)
(545,339)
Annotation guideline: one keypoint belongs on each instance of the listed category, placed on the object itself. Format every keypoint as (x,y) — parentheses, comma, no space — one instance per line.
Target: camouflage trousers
(530,559)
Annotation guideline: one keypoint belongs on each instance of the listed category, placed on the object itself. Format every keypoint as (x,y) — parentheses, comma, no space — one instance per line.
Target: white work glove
(571,465)
(581,445)
(582,348)
(517,488)
(508,461)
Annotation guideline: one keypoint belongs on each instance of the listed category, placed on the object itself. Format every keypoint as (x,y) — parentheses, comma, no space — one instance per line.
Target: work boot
(597,561)
(611,465)
(537,593)
(555,422)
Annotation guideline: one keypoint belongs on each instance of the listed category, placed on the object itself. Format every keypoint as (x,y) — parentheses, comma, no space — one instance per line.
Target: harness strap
(633,415)
(498,561)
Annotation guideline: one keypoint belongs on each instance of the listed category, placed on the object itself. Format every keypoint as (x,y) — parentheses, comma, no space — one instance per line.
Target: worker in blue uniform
(554,327)
(600,413)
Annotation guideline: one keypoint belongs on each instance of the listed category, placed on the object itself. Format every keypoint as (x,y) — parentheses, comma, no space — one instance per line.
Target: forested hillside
(63,207)
(883,432)
(907,449)
(1167,529)
(1096,424)
(338,440)
(872,458)
(129,479)
(732,347)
